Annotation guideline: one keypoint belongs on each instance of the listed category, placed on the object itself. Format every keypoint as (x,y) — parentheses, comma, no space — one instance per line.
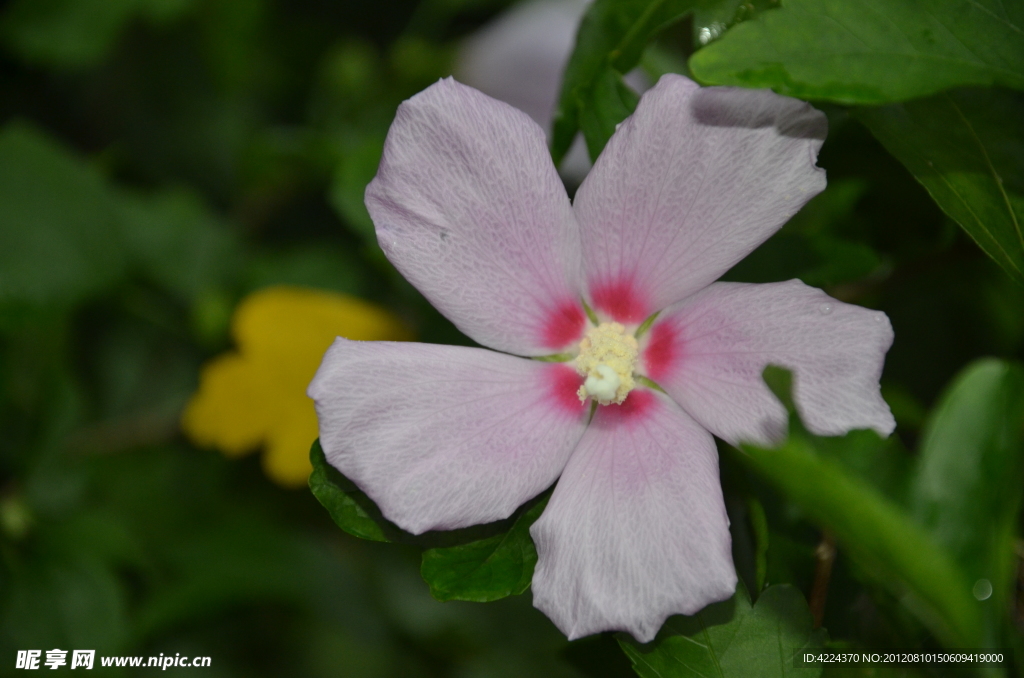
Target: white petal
(636,529)
(708,352)
(442,437)
(469,208)
(687,186)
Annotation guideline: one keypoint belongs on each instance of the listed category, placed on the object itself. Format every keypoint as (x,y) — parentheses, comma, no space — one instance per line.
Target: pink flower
(470,209)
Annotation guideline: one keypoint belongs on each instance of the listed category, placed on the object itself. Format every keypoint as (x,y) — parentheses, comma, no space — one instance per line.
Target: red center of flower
(635,408)
(620,300)
(663,351)
(564,325)
(562,383)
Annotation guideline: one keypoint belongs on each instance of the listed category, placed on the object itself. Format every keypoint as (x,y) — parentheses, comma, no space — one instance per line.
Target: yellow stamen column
(607,359)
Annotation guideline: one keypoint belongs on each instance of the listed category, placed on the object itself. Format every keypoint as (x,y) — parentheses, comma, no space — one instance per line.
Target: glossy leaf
(610,42)
(488,569)
(967,488)
(875,531)
(967,149)
(733,639)
(603,106)
(59,226)
(845,50)
(350,508)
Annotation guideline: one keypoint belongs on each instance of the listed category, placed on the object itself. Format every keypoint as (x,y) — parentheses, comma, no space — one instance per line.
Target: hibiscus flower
(618,286)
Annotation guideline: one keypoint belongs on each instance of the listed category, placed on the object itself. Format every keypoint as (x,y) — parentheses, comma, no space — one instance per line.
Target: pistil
(607,358)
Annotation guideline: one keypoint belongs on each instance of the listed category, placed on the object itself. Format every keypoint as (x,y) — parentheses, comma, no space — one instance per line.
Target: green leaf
(320,265)
(59,226)
(967,149)
(357,165)
(733,639)
(845,50)
(712,19)
(881,537)
(818,260)
(603,106)
(610,42)
(967,489)
(68,33)
(77,33)
(485,570)
(759,526)
(177,242)
(57,603)
(349,507)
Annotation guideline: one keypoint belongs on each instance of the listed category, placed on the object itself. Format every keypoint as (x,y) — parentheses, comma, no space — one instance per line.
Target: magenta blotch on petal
(620,299)
(636,529)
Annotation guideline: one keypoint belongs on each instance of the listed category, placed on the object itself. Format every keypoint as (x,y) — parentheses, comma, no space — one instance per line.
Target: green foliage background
(159,159)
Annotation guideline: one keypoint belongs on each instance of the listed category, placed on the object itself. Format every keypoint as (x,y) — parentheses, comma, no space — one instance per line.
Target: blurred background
(181,235)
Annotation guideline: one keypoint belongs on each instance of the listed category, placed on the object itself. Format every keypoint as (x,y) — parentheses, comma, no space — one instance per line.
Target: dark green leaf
(818,260)
(845,50)
(357,166)
(177,242)
(780,382)
(76,33)
(237,558)
(710,22)
(343,500)
(809,247)
(54,603)
(872,529)
(967,489)
(967,149)
(59,227)
(713,18)
(759,527)
(610,42)
(323,266)
(733,639)
(485,570)
(604,105)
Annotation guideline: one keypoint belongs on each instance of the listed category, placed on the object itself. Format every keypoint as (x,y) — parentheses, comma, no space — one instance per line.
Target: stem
(824,556)
(1019,589)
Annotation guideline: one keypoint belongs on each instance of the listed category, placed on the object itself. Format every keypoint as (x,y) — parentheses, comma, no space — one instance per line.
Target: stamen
(607,359)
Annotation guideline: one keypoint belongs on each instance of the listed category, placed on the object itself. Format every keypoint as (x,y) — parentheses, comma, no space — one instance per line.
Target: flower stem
(825,556)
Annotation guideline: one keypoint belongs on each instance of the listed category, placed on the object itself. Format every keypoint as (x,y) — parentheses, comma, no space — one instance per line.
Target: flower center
(607,358)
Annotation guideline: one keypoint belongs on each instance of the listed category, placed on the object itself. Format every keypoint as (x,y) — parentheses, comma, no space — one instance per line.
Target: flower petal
(442,437)
(708,353)
(689,185)
(636,529)
(519,57)
(469,208)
